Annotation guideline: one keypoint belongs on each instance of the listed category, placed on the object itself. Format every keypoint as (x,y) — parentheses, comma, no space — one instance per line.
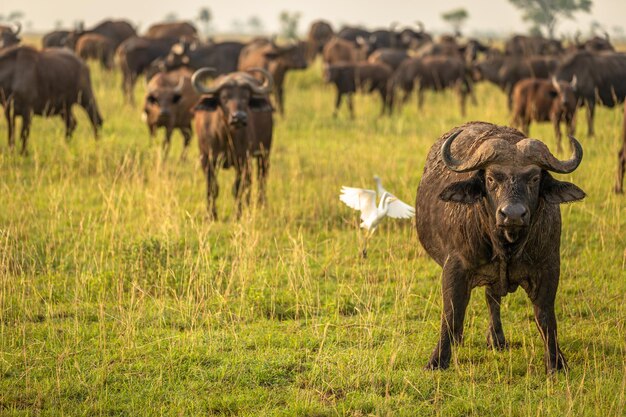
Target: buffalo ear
(207,103)
(464,192)
(260,104)
(557,192)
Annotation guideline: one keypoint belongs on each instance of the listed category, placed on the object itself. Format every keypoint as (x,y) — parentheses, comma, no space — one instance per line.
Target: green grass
(119,297)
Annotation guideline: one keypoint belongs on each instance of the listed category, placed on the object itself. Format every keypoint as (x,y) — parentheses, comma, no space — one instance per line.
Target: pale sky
(485,15)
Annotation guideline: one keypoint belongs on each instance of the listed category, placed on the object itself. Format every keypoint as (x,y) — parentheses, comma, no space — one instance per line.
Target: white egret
(364,201)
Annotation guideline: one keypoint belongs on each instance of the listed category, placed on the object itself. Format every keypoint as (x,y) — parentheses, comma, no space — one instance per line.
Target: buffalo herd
(487,206)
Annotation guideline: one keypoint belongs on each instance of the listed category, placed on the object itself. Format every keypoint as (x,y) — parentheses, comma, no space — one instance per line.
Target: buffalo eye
(491,183)
(152,99)
(176,98)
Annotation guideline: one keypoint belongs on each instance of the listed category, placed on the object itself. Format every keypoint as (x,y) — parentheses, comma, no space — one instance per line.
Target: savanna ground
(119,297)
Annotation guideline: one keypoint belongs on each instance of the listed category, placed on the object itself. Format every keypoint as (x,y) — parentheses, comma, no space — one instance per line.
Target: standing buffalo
(319,34)
(339,50)
(135,55)
(45,83)
(277,60)
(543,101)
(234,123)
(392,57)
(488,212)
(55,39)
(522,45)
(172,30)
(98,47)
(221,56)
(169,104)
(621,158)
(364,76)
(601,76)
(433,73)
(9,35)
(117,31)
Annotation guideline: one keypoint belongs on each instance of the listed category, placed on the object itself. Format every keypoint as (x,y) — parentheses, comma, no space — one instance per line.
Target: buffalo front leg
(621,165)
(167,139)
(456,294)
(209,165)
(280,100)
(263,166)
(186,131)
(495,335)
(351,104)
(462,92)
(556,123)
(10,116)
(26,118)
(241,188)
(591,108)
(337,103)
(70,124)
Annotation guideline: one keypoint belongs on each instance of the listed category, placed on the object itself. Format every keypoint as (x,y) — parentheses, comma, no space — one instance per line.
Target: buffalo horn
(536,152)
(197,77)
(268,81)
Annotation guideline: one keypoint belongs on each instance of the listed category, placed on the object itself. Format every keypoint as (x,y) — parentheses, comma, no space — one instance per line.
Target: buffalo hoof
(497,343)
(554,366)
(437,363)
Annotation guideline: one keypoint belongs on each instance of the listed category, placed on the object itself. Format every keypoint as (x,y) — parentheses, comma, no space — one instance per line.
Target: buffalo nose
(513,215)
(239,118)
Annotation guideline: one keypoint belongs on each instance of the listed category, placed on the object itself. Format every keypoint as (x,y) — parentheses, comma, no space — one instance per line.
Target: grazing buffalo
(135,55)
(45,83)
(319,34)
(392,57)
(9,35)
(55,39)
(277,60)
(98,47)
(169,103)
(543,101)
(522,45)
(234,123)
(488,213)
(221,56)
(433,73)
(621,158)
(601,76)
(363,76)
(339,50)
(116,30)
(172,30)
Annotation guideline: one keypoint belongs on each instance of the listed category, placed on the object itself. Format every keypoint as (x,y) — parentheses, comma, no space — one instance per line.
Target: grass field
(119,297)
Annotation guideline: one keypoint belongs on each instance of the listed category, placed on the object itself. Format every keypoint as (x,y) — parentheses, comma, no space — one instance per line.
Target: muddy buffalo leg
(495,335)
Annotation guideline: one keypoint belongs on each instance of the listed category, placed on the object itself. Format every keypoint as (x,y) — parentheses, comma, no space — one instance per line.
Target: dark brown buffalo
(601,78)
(594,44)
(433,73)
(168,104)
(339,50)
(349,78)
(392,57)
(172,30)
(545,101)
(277,60)
(135,55)
(621,158)
(97,47)
(506,71)
(9,35)
(522,45)
(352,33)
(487,212)
(223,57)
(45,83)
(55,39)
(116,30)
(319,34)
(234,124)
(412,39)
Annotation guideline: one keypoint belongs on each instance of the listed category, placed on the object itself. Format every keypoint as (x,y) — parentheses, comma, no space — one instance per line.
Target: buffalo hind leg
(167,140)
(280,100)
(70,124)
(556,122)
(337,103)
(26,119)
(456,293)
(186,131)
(621,166)
(241,187)
(9,114)
(209,165)
(263,166)
(495,335)
(591,108)
(351,104)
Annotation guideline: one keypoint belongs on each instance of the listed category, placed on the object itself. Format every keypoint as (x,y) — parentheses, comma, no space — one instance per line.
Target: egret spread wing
(379,186)
(400,210)
(359,199)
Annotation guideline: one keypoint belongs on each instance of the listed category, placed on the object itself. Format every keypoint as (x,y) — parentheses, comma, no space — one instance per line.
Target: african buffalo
(601,76)
(221,56)
(135,55)
(169,103)
(487,211)
(277,60)
(319,34)
(234,123)
(339,50)
(433,73)
(55,39)
(98,47)
(45,83)
(522,45)
(545,100)
(352,33)
(172,30)
(391,57)
(9,35)
(621,158)
(116,30)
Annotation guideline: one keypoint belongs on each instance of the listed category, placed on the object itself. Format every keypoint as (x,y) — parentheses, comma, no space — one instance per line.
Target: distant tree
(255,25)
(237,27)
(205,16)
(171,17)
(456,18)
(289,24)
(12,16)
(545,14)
